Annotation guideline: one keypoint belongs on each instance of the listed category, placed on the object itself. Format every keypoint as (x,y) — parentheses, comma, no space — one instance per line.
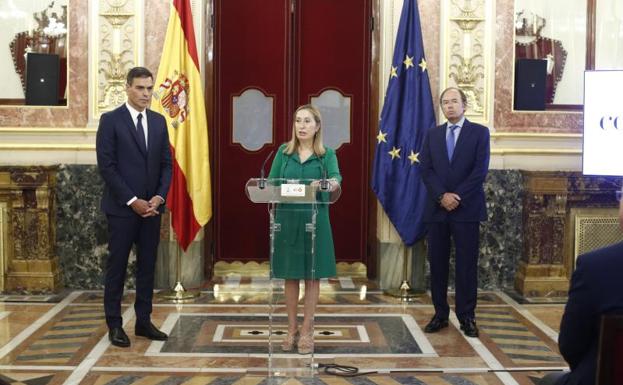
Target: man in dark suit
(596,289)
(134,159)
(455,161)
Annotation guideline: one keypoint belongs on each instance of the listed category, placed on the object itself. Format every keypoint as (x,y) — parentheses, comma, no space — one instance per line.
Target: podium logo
(609,122)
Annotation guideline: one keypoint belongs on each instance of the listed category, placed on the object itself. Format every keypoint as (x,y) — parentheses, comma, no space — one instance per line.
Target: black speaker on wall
(42,77)
(530,77)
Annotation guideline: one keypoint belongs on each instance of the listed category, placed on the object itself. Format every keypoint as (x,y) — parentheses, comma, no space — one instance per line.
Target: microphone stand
(324,183)
(262,181)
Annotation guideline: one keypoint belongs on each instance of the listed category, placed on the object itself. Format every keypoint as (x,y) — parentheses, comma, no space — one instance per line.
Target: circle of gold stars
(382,136)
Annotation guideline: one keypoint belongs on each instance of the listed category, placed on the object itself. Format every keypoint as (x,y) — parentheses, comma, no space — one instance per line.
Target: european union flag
(407,115)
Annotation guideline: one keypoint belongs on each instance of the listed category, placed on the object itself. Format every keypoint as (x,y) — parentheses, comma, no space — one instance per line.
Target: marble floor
(223,338)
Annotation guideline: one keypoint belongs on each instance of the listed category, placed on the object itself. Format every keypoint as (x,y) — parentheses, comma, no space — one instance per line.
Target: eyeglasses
(618,195)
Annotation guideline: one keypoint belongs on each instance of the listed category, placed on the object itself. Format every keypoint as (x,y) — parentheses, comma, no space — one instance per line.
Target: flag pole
(178,294)
(404,291)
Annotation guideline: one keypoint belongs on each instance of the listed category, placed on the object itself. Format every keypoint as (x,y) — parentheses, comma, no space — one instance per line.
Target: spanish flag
(178,96)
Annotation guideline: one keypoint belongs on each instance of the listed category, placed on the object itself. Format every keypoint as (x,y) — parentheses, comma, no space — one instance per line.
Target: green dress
(292,245)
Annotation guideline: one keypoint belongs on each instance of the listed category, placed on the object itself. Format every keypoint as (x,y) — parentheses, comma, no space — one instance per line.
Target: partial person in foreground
(134,159)
(304,157)
(596,290)
(455,162)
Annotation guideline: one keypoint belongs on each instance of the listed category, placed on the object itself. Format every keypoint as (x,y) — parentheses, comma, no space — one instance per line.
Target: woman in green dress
(304,157)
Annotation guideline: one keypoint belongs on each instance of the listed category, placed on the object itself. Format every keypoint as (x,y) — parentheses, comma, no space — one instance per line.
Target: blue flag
(407,114)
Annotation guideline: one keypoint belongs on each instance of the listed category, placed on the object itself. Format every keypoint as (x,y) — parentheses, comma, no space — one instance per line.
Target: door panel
(324,45)
(333,47)
(251,44)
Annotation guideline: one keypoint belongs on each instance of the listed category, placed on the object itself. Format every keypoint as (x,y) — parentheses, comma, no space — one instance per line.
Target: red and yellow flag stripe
(179,97)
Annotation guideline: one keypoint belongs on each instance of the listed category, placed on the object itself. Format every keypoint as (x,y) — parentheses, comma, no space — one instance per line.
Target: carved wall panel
(467,59)
(29,259)
(116,41)
(551,201)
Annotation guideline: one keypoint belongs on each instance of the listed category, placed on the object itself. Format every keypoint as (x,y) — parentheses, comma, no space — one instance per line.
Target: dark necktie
(450,141)
(141,133)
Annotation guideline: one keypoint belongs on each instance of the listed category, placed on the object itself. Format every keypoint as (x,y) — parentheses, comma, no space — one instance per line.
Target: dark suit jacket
(464,175)
(127,171)
(596,289)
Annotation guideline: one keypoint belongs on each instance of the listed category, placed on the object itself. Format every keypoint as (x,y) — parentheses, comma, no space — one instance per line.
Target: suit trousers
(554,378)
(123,233)
(465,236)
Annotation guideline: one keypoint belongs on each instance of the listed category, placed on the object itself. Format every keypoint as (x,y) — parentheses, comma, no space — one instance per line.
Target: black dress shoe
(148,330)
(469,327)
(118,337)
(435,325)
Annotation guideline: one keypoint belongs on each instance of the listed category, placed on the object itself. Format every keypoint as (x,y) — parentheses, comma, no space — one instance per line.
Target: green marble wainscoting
(81,237)
(500,241)
(530,215)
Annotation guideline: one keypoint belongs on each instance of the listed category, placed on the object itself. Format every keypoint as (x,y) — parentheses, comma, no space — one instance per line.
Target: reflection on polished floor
(222,338)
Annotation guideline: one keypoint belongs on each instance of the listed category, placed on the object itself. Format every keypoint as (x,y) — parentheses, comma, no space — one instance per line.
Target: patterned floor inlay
(64,338)
(524,346)
(223,338)
(30,298)
(40,378)
(549,315)
(529,377)
(394,379)
(257,293)
(335,335)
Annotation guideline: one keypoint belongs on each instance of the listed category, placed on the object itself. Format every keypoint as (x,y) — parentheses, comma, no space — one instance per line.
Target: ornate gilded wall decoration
(28,204)
(467,62)
(116,42)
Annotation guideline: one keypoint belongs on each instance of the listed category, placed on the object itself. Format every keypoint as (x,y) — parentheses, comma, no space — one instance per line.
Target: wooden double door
(271,56)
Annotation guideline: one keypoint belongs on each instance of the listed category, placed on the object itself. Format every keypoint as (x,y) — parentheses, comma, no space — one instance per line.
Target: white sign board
(603,123)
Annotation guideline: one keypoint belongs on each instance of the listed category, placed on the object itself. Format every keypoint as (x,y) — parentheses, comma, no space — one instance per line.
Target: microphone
(262,182)
(324,183)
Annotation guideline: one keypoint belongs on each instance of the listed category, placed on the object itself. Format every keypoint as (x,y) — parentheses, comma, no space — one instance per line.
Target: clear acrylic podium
(293,208)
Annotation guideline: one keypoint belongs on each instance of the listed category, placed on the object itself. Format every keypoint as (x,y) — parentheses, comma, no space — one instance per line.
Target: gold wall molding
(37,139)
(4,242)
(47,146)
(534,135)
(535,151)
(467,28)
(46,130)
(116,43)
